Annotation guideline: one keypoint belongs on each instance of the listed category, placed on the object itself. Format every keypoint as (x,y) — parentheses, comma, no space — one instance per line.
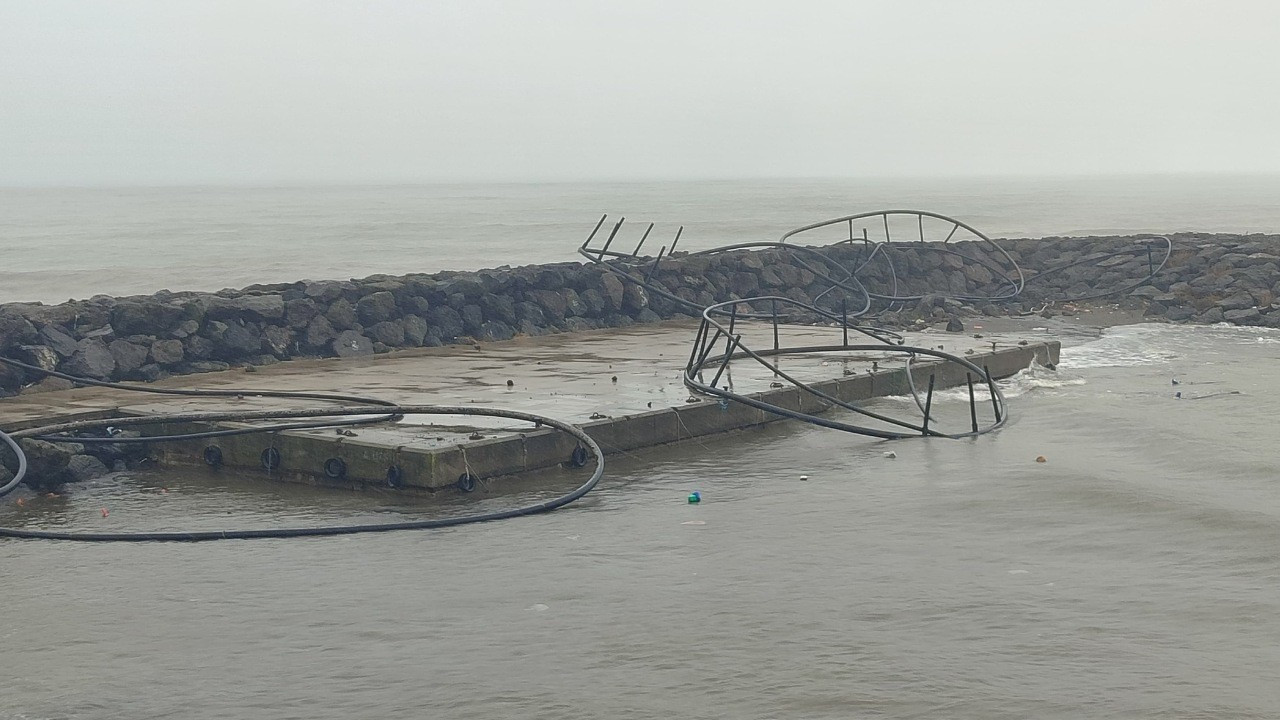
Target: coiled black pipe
(205,535)
(373,410)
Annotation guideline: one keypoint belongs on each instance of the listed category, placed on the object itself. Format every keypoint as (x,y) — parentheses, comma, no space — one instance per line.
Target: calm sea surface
(57,244)
(1133,575)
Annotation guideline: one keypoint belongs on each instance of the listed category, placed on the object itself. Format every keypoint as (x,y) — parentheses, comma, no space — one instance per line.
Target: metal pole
(973,406)
(595,230)
(607,242)
(991,384)
(728,355)
(697,342)
(673,242)
(733,317)
(774,304)
(844,319)
(642,239)
(656,260)
(928,403)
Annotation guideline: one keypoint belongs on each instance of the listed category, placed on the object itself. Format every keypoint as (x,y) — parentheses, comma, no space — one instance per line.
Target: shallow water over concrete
(1131,575)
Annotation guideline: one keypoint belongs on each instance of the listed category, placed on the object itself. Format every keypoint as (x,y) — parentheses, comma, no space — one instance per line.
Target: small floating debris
(597,416)
(890,454)
(1041,459)
(1175,381)
(511,383)
(803,478)
(104,512)
(775,384)
(476,436)
(615,379)
(695,497)
(694,522)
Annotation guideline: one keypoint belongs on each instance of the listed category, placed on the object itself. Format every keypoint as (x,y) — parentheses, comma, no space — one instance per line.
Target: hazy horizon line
(301,183)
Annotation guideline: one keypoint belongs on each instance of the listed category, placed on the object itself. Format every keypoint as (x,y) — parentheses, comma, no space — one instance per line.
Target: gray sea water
(59,243)
(1132,575)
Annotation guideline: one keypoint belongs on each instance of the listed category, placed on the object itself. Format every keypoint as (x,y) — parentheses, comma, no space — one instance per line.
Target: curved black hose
(197,536)
(22,464)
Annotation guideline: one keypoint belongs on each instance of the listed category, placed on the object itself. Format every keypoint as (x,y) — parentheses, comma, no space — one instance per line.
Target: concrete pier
(621,386)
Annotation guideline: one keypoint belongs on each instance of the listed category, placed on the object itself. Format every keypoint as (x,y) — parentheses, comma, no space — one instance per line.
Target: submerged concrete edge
(302,456)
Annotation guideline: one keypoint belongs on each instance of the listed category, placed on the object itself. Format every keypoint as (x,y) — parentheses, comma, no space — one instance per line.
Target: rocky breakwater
(1208,278)
(168,333)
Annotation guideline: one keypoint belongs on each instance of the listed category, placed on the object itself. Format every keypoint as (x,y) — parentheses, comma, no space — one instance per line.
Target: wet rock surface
(1208,278)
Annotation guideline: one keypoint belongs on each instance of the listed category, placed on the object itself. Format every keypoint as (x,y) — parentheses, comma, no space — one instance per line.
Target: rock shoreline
(1209,278)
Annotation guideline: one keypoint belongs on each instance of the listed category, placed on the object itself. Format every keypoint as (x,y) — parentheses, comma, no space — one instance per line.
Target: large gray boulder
(62,343)
(350,343)
(92,359)
(375,308)
(415,330)
(144,318)
(389,333)
(15,330)
(128,356)
(166,352)
(46,462)
(85,467)
(320,332)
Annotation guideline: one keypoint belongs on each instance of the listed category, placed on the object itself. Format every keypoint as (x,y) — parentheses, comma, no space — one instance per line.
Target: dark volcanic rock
(299,313)
(128,356)
(198,347)
(495,330)
(144,318)
(342,315)
(45,463)
(320,333)
(238,341)
(445,321)
(166,352)
(15,330)
(92,360)
(376,308)
(277,340)
(52,336)
(415,330)
(81,468)
(41,356)
(389,333)
(350,343)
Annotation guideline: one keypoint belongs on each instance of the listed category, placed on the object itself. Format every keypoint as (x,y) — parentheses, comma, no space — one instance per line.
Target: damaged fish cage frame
(719,323)
(1010,276)
(1152,246)
(1011,280)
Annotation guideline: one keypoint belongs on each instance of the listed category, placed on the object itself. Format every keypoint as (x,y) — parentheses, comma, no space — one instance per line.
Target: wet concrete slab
(568,376)
(620,384)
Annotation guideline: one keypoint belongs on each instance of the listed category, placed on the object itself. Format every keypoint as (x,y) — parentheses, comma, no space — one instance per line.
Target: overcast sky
(266,91)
